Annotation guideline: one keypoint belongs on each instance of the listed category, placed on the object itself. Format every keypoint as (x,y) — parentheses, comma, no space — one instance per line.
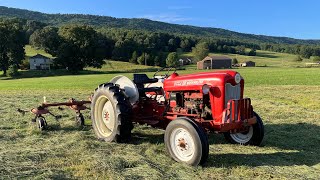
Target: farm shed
(40,62)
(215,62)
(248,64)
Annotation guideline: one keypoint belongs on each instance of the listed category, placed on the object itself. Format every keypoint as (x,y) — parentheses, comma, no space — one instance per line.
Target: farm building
(215,62)
(185,61)
(40,62)
(248,64)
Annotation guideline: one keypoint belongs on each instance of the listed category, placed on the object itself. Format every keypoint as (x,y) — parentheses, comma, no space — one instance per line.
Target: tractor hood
(175,82)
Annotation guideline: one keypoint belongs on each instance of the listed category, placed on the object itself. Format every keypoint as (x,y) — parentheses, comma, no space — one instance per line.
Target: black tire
(79,119)
(42,123)
(199,154)
(256,138)
(111,112)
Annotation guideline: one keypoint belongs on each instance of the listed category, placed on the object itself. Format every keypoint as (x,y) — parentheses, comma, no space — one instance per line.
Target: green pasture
(288,100)
(30,51)
(284,93)
(265,58)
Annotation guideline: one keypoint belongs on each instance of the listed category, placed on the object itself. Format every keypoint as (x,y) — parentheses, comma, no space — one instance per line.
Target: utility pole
(145,61)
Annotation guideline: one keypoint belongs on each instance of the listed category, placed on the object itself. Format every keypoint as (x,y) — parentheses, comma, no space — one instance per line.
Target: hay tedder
(188,107)
(43,109)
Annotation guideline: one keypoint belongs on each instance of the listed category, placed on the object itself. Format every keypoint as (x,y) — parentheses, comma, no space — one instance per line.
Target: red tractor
(187,107)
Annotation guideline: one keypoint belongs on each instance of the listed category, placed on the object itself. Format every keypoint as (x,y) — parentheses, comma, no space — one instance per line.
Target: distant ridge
(148,25)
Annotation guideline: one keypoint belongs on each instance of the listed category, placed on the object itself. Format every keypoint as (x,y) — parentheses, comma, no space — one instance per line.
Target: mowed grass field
(287,99)
(265,58)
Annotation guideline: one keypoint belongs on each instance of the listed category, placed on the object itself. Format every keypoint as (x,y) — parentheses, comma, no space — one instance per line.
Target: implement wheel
(186,142)
(79,119)
(110,113)
(253,136)
(42,123)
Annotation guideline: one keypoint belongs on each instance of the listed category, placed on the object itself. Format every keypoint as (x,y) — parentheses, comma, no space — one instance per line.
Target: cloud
(171,18)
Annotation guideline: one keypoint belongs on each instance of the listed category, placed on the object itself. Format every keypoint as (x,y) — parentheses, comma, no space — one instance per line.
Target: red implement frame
(72,103)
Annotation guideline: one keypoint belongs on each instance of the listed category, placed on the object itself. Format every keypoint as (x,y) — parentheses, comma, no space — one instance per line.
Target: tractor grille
(238,110)
(232,92)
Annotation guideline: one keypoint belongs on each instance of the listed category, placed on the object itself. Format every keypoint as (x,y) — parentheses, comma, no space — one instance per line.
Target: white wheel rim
(182,144)
(105,117)
(243,138)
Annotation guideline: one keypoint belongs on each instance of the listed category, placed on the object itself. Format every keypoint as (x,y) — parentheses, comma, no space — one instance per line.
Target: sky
(296,18)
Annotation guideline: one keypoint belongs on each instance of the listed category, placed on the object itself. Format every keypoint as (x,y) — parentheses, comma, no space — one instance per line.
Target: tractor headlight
(205,89)
(237,78)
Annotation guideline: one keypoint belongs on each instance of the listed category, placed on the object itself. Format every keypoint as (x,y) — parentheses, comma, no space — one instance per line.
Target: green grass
(122,67)
(110,67)
(286,98)
(265,58)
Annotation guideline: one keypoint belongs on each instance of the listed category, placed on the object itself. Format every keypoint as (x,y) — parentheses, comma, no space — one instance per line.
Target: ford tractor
(188,107)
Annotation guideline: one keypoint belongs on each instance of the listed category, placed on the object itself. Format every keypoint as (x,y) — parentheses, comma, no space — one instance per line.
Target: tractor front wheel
(253,136)
(186,142)
(110,113)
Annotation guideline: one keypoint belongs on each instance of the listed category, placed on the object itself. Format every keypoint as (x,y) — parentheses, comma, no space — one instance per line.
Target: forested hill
(146,24)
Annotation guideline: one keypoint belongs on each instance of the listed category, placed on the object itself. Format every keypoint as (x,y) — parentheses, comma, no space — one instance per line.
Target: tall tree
(185,45)
(31,26)
(252,52)
(12,44)
(141,60)
(200,51)
(46,39)
(172,60)
(134,58)
(80,48)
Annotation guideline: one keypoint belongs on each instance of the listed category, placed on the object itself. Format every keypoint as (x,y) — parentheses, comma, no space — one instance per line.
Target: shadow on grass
(68,128)
(303,140)
(139,138)
(286,145)
(255,160)
(296,144)
(54,73)
(266,55)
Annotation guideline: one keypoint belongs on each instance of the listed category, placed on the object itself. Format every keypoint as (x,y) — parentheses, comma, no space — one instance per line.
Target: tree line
(306,51)
(148,25)
(12,42)
(78,46)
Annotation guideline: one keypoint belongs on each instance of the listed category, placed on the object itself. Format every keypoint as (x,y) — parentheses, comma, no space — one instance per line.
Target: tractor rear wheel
(110,113)
(186,142)
(253,136)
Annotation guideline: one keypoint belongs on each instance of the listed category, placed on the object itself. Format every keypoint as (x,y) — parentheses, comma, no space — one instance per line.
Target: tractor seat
(143,79)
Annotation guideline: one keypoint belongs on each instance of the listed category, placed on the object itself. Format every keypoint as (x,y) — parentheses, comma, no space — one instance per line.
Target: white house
(40,62)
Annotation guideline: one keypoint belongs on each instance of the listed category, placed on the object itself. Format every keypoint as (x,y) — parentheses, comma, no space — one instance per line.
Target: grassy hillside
(32,52)
(264,58)
(145,24)
(286,98)
(119,66)
(110,66)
